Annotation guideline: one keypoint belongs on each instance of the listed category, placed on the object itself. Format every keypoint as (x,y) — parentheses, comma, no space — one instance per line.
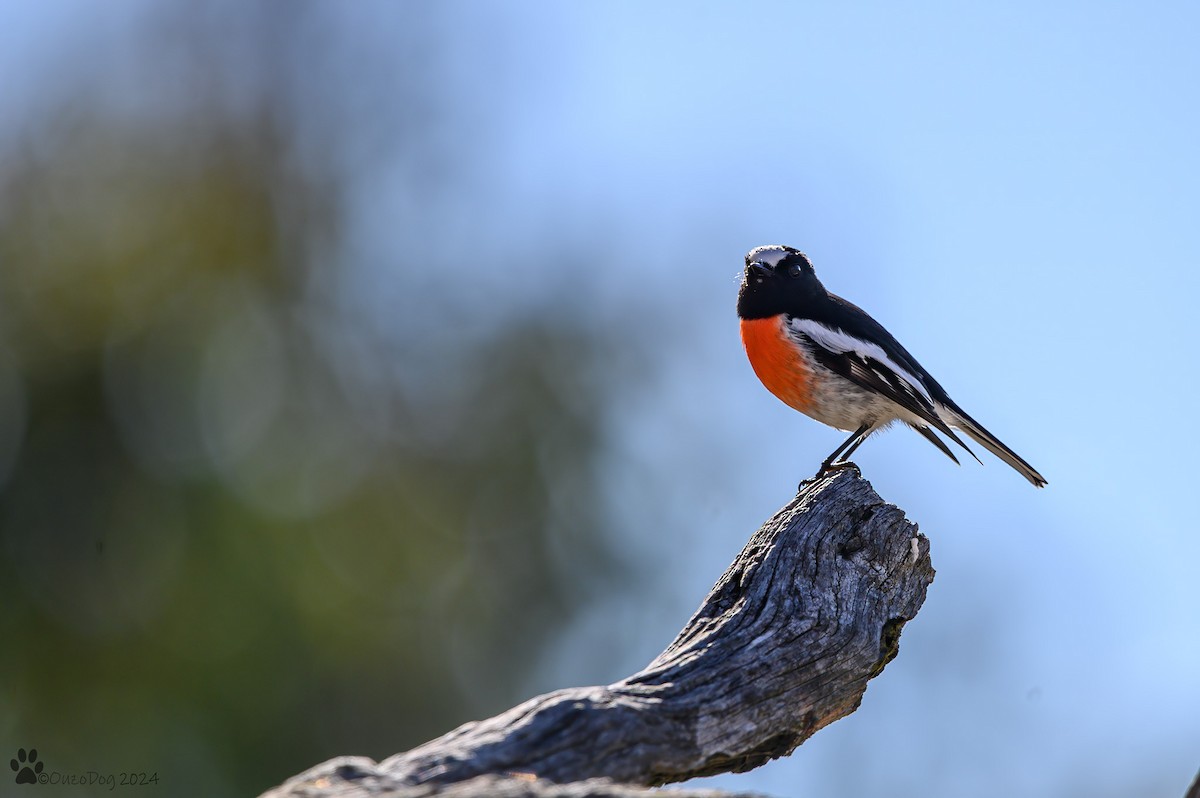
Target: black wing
(873,374)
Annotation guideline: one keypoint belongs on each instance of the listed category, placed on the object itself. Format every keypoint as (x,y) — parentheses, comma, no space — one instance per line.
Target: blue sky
(1013,189)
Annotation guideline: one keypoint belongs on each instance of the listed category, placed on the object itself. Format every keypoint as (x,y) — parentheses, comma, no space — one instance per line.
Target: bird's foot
(828,468)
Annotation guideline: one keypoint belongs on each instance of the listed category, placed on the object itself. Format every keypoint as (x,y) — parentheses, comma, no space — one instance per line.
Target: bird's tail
(955,417)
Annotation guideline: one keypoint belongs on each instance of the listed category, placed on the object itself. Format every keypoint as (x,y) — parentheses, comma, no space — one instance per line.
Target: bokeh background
(366,368)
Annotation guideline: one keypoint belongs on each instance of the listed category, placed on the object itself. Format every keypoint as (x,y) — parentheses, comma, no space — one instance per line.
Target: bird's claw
(828,468)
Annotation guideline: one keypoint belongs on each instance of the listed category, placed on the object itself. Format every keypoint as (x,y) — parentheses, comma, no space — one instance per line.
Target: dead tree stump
(783,645)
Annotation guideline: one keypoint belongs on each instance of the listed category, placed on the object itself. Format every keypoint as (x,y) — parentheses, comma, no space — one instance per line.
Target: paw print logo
(27,770)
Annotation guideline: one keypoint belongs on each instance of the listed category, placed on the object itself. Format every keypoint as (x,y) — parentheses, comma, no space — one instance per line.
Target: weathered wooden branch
(1194,790)
(783,645)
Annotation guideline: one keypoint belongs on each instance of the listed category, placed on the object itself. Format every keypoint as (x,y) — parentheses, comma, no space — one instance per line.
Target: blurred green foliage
(242,529)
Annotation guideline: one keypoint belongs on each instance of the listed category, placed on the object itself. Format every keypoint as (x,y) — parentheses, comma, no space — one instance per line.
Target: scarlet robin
(828,359)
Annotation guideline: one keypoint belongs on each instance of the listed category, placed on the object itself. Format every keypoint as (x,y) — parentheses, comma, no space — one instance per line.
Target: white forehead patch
(769,255)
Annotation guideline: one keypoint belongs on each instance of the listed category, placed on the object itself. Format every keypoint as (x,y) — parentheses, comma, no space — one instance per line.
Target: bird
(826,357)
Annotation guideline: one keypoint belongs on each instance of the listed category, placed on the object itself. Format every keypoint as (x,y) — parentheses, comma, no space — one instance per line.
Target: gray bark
(783,645)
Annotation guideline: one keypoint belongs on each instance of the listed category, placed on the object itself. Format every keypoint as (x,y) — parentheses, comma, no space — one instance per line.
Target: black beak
(759,270)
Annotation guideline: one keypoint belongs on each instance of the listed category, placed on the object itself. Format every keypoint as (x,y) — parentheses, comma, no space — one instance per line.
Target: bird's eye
(793,270)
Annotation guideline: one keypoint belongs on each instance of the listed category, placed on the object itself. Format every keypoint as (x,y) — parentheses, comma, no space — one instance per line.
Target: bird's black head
(777,279)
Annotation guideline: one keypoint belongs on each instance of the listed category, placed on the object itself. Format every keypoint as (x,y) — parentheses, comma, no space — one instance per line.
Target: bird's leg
(844,451)
(864,432)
